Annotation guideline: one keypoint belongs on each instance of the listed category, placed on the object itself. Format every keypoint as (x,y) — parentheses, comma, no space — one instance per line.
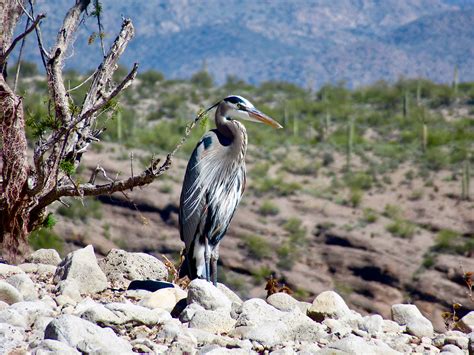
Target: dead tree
(28,188)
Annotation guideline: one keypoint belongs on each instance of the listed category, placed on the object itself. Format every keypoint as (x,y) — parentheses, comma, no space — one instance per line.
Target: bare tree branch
(35,23)
(54,66)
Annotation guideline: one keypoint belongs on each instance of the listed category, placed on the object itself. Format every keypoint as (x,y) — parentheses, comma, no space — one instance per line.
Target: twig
(131,167)
(23,35)
(18,62)
(44,54)
(85,81)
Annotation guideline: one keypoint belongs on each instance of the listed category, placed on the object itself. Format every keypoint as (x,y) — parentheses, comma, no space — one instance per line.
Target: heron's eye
(240,107)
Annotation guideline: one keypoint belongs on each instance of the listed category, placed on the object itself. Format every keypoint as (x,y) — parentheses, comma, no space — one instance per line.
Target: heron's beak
(261,117)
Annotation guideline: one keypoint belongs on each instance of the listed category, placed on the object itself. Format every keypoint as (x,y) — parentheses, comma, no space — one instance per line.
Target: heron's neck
(233,130)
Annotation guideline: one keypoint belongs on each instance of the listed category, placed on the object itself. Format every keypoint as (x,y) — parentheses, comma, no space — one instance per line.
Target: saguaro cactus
(350,142)
(466,179)
(406,105)
(455,80)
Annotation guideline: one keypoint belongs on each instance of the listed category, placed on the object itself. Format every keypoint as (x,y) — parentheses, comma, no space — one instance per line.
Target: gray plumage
(213,186)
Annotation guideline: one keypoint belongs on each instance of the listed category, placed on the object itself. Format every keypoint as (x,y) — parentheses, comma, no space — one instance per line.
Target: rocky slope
(365,263)
(308,42)
(81,305)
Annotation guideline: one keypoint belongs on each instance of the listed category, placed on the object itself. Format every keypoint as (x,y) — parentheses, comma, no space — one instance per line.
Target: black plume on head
(234,100)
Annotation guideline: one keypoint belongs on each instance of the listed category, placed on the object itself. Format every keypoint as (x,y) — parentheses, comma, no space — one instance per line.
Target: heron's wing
(192,209)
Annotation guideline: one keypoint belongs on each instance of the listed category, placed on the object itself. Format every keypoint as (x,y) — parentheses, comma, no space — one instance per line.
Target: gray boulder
(9,294)
(355,345)
(44,256)
(416,323)
(466,323)
(283,302)
(328,304)
(450,349)
(231,295)
(217,322)
(8,270)
(114,314)
(25,314)
(122,267)
(261,322)
(166,298)
(207,295)
(11,337)
(23,283)
(81,266)
(40,269)
(54,347)
(86,337)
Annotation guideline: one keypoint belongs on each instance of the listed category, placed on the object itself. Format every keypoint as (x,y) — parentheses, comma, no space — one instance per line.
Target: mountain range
(307,42)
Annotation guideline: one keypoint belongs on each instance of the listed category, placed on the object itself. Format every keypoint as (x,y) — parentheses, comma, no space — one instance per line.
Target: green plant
(268,208)
(355,197)
(369,215)
(296,230)
(401,228)
(257,247)
(392,211)
(261,274)
(90,208)
(45,239)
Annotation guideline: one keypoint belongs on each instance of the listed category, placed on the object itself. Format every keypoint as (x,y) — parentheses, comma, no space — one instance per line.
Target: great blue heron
(213,185)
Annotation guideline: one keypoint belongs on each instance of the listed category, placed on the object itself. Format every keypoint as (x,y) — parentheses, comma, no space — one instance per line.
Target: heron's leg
(214,258)
(207,259)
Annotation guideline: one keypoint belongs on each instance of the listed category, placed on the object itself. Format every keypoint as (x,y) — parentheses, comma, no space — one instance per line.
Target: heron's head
(238,107)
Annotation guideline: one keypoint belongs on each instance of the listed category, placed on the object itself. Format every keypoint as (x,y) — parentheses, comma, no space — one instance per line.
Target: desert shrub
(449,241)
(300,167)
(257,246)
(359,180)
(261,274)
(296,230)
(268,208)
(277,185)
(44,238)
(355,197)
(287,255)
(392,211)
(416,195)
(202,79)
(369,215)
(91,208)
(401,228)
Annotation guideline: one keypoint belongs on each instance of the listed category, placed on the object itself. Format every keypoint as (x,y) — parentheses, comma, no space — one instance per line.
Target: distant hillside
(306,42)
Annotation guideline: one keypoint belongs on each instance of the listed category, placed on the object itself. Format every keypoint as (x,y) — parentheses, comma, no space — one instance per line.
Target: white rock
(122,267)
(355,345)
(284,351)
(451,349)
(166,298)
(113,314)
(337,327)
(9,294)
(8,270)
(44,256)
(389,326)
(41,269)
(231,295)
(3,305)
(217,350)
(54,347)
(207,295)
(409,315)
(283,302)
(70,289)
(11,337)
(24,314)
(86,337)
(81,266)
(457,338)
(466,323)
(328,304)
(218,321)
(188,313)
(262,323)
(23,283)
(372,324)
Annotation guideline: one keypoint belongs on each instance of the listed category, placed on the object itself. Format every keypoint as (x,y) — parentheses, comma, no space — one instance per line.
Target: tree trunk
(14,199)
